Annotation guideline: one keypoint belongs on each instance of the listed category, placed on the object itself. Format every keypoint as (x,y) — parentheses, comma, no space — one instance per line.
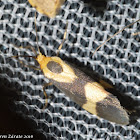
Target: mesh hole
(131,14)
(107,17)
(132,58)
(83,43)
(98,36)
(8,7)
(86,32)
(99,69)
(74,6)
(134,48)
(21,10)
(116,20)
(6,17)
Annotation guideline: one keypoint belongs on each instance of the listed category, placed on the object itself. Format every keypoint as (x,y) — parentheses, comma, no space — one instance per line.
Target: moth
(47,7)
(82,89)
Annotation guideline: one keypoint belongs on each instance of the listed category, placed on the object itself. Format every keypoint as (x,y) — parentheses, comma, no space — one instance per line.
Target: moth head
(53,64)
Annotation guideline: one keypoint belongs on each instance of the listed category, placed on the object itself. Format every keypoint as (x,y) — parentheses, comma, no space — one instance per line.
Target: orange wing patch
(47,7)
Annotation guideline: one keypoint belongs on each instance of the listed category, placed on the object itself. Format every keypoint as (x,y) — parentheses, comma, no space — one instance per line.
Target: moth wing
(47,7)
(108,108)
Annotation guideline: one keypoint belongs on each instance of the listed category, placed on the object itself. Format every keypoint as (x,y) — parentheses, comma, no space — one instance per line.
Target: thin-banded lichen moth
(82,89)
(47,7)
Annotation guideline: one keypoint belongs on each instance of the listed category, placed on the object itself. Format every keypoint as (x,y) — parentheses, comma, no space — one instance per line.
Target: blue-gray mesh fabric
(118,61)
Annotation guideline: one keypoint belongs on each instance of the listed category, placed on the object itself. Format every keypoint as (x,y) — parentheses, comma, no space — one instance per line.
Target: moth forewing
(47,7)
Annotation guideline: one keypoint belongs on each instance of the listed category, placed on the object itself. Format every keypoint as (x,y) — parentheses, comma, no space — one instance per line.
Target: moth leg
(27,47)
(64,38)
(105,84)
(134,34)
(45,94)
(28,66)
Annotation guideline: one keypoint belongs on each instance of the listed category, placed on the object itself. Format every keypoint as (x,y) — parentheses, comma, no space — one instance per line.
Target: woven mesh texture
(118,61)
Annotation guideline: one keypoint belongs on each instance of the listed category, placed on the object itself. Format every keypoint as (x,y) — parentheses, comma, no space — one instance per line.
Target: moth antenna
(16,56)
(29,66)
(36,35)
(64,38)
(114,35)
